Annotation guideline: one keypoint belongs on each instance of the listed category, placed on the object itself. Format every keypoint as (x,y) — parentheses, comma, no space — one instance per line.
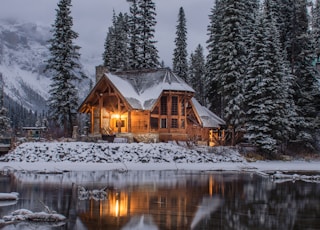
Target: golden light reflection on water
(170,200)
(170,207)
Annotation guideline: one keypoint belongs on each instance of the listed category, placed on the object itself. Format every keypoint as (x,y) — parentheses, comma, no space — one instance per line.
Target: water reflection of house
(149,105)
(170,208)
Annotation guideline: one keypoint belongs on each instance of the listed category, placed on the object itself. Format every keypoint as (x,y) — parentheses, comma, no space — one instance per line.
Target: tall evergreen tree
(316,28)
(5,126)
(197,74)
(108,55)
(266,97)
(148,53)
(64,67)
(231,62)
(109,46)
(180,54)
(134,37)
(213,83)
(116,43)
(301,54)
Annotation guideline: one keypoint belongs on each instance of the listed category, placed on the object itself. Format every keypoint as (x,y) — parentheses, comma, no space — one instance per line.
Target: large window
(164,106)
(163,124)
(183,106)
(154,123)
(174,106)
(174,123)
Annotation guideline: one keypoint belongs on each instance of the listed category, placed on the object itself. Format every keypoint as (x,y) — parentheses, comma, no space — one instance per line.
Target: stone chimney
(100,71)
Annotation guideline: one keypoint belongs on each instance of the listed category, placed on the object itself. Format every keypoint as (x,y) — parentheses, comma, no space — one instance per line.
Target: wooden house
(148,106)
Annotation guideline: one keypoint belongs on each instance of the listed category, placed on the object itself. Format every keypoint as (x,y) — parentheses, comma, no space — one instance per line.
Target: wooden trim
(92,119)
(129,121)
(100,113)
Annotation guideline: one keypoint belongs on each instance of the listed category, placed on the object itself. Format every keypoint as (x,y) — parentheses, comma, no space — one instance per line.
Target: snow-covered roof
(208,118)
(142,88)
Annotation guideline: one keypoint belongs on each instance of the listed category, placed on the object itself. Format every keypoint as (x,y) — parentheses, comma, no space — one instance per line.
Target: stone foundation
(147,137)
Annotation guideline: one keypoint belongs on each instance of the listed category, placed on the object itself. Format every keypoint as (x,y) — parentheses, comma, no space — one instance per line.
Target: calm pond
(163,200)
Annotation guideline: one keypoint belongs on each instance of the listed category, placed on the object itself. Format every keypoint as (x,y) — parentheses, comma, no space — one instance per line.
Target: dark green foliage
(65,70)
(180,54)
(117,43)
(197,74)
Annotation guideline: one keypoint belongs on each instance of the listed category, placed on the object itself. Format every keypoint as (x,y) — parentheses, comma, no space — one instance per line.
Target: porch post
(100,112)
(92,120)
(129,121)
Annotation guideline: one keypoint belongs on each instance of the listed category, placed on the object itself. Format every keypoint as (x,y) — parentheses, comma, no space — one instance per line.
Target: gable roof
(208,118)
(142,89)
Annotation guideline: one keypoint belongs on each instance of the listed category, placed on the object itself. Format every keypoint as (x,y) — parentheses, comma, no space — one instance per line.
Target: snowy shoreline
(54,157)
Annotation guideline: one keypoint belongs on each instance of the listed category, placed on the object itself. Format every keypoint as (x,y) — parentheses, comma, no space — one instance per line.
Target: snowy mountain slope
(23,52)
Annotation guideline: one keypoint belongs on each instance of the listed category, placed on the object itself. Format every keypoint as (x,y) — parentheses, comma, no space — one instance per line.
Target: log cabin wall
(169,116)
(173,116)
(140,121)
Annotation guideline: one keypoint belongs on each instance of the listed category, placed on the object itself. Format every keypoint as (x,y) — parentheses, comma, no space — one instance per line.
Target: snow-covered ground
(84,156)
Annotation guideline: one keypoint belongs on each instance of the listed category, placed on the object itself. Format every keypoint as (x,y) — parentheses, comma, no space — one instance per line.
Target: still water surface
(164,200)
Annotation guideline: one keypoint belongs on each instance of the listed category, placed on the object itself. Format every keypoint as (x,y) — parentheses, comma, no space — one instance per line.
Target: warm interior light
(116,116)
(117,208)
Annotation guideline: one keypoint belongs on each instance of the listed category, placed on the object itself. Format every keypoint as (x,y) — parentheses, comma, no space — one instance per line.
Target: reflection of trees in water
(174,199)
(260,204)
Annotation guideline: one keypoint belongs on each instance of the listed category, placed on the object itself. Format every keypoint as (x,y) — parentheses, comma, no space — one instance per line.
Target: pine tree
(197,74)
(108,54)
(301,54)
(116,43)
(180,54)
(5,127)
(316,28)
(121,36)
(147,53)
(134,37)
(269,106)
(213,83)
(65,70)
(230,66)
(307,98)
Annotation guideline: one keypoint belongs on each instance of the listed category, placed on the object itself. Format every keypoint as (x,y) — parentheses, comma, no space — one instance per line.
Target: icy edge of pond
(57,157)
(9,196)
(261,166)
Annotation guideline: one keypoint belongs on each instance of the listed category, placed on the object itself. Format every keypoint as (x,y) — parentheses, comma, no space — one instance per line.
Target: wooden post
(119,119)
(100,112)
(169,104)
(92,120)
(129,121)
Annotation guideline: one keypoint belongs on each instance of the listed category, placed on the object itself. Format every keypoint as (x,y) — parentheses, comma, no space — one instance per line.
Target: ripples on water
(164,200)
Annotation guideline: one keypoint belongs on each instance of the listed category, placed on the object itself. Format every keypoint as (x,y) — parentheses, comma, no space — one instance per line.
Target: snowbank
(56,157)
(116,153)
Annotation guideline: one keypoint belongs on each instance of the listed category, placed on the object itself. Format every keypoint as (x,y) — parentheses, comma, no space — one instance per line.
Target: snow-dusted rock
(118,153)
(27,215)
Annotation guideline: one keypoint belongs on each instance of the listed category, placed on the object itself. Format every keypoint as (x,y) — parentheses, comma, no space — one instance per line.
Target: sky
(92,19)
